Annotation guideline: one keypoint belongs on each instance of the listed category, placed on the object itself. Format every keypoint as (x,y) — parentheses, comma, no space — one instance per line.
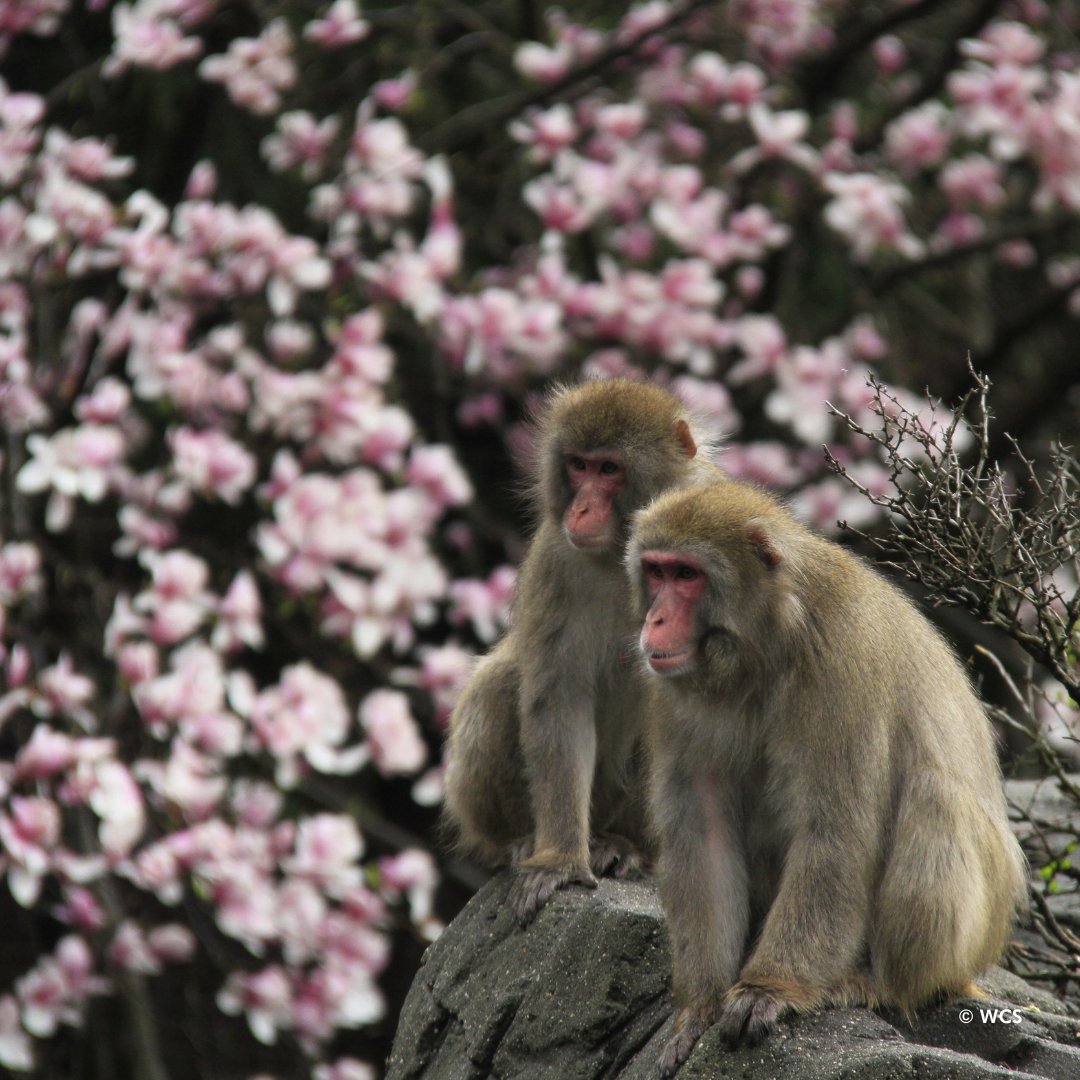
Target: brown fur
(823,786)
(545,762)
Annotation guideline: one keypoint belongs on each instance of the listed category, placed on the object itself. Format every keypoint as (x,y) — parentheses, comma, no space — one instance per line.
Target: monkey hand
(750,1013)
(615,856)
(538,879)
(690,1025)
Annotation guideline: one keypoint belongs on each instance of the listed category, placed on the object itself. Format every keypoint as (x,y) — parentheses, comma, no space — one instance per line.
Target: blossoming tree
(278,282)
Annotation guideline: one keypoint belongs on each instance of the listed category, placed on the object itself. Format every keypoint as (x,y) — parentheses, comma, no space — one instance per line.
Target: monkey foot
(688,1030)
(520,850)
(750,1014)
(536,885)
(615,856)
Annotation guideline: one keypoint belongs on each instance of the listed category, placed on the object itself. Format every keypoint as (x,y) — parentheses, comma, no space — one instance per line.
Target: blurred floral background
(279,285)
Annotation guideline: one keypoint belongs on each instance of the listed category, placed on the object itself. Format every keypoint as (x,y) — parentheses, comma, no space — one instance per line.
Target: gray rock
(583,994)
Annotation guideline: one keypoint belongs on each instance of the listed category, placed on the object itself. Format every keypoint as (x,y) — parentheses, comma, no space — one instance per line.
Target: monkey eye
(654,570)
(609,468)
(576,463)
(687,573)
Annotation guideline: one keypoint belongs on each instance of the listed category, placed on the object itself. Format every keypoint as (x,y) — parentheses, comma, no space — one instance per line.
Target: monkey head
(712,579)
(606,448)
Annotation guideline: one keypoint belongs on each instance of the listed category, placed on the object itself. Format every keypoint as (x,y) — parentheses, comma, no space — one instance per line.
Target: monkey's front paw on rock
(535,886)
(750,1014)
(688,1029)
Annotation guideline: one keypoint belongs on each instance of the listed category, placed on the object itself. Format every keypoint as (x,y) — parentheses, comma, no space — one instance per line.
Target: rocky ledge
(584,994)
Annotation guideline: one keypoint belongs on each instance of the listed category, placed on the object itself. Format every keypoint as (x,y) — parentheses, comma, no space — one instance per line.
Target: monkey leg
(486,797)
(943,919)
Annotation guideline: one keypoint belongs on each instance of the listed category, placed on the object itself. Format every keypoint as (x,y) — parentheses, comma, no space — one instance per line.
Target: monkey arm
(559,744)
(705,890)
(814,933)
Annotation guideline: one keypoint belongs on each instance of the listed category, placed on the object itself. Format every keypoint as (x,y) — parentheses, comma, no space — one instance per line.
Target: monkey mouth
(587,541)
(664,663)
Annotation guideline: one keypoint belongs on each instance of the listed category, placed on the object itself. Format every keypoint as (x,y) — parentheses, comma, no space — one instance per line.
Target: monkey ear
(684,438)
(765,546)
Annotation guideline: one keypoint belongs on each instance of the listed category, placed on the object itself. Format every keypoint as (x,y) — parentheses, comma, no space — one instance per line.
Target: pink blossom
(50,752)
(148,34)
(106,404)
(239,616)
(394,94)
(55,991)
(256,803)
(177,601)
(255,71)
(20,115)
(20,572)
(867,210)
(28,834)
(81,910)
(359,350)
(709,401)
(486,604)
(88,159)
(890,54)
(779,137)
(919,139)
(392,733)
(62,690)
(343,1069)
(75,462)
(172,942)
(189,779)
(772,464)
(327,853)
(265,997)
(303,716)
(39,17)
(546,132)
(300,141)
(973,180)
(341,25)
(442,674)
(1004,42)
(212,463)
(138,661)
(117,801)
(764,345)
(805,381)
(15,1047)
(436,470)
(542,63)
(130,951)
(413,873)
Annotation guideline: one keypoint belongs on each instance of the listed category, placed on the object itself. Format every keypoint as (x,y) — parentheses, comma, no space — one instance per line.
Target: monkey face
(674,586)
(594,479)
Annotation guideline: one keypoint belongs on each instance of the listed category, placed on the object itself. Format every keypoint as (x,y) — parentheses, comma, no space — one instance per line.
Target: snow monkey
(822,779)
(545,766)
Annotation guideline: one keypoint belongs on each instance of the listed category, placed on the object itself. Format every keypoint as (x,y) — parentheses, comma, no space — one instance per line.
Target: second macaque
(823,780)
(545,761)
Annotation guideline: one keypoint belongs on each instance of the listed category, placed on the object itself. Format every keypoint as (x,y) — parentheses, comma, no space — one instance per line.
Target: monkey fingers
(750,1013)
(615,856)
(536,885)
(689,1027)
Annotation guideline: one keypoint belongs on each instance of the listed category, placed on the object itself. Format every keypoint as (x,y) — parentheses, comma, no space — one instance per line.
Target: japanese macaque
(822,781)
(545,765)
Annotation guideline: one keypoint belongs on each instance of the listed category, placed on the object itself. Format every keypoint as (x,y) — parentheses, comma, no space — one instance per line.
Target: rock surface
(583,994)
